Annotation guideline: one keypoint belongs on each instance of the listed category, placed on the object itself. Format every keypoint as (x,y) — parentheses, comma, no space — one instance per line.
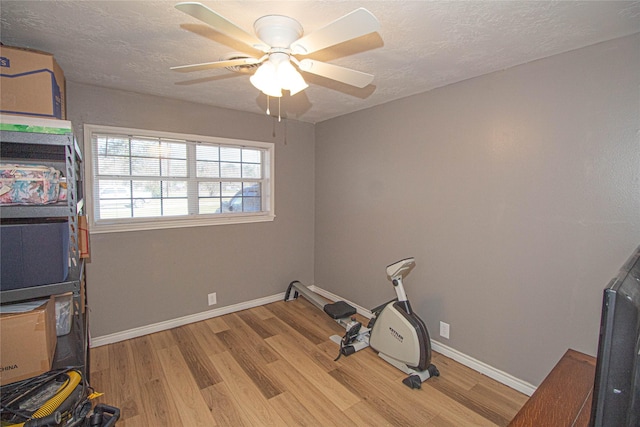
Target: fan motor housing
(278,31)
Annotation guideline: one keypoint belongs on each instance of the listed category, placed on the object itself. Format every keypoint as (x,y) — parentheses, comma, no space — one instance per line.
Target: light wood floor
(274,365)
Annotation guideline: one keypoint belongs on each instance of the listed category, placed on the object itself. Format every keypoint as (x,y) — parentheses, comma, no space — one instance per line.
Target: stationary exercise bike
(398,335)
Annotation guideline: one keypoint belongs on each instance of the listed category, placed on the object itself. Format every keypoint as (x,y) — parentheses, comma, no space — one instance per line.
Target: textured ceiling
(421,45)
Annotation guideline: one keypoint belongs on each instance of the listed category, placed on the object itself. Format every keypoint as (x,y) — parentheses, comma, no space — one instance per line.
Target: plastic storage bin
(33,253)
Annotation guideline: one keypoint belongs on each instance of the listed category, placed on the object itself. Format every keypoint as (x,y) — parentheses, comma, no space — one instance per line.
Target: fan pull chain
(279,119)
(273,133)
(268,112)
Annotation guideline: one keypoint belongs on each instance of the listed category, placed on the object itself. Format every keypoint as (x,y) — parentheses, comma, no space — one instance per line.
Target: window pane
(246,200)
(208,169)
(230,170)
(230,188)
(113,146)
(174,167)
(174,188)
(251,204)
(250,171)
(145,147)
(141,166)
(209,205)
(147,208)
(114,189)
(228,154)
(207,152)
(174,150)
(250,156)
(209,189)
(174,207)
(113,165)
(110,209)
(146,189)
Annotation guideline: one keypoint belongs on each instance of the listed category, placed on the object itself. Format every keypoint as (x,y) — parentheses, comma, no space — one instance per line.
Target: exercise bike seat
(339,310)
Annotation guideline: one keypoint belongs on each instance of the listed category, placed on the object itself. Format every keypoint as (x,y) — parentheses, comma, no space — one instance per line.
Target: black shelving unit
(61,151)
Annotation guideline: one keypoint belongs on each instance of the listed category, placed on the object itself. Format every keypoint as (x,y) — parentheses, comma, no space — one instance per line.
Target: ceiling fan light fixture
(265,80)
(276,74)
(289,78)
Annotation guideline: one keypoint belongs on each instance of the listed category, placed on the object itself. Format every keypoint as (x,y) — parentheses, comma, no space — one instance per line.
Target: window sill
(160,224)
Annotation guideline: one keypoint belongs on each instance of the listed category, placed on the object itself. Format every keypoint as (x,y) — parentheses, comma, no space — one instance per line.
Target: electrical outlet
(212,299)
(444,330)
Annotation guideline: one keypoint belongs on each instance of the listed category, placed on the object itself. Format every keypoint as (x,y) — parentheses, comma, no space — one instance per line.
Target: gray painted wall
(517,192)
(140,278)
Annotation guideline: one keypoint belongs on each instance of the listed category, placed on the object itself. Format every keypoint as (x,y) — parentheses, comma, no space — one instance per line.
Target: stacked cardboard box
(32,83)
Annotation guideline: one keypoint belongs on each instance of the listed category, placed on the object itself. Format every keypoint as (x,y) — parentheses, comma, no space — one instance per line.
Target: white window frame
(155,223)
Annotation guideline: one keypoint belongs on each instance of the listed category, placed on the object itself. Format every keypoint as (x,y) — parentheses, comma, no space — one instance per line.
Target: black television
(616,392)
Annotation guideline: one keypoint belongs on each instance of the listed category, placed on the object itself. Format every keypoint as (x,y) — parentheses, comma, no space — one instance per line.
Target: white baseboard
(488,370)
(180,321)
(476,365)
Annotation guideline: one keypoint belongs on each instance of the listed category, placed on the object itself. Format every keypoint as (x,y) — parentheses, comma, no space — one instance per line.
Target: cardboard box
(31,83)
(28,342)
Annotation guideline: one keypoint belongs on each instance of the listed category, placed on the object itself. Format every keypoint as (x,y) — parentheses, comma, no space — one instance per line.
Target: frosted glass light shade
(265,80)
(271,78)
(290,79)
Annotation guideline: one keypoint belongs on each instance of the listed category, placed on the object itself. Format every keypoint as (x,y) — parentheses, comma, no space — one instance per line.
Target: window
(144,180)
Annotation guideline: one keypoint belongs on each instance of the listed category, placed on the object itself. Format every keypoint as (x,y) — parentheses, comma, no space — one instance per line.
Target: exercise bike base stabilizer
(398,335)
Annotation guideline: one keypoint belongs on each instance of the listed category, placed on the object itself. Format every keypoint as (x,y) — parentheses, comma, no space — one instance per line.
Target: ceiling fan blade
(217,64)
(335,72)
(355,24)
(221,24)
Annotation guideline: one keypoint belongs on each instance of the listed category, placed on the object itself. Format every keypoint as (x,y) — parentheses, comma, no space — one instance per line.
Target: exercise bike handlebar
(396,272)
(400,269)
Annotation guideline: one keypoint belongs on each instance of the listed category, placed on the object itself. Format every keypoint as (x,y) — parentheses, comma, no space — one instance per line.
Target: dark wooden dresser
(564,397)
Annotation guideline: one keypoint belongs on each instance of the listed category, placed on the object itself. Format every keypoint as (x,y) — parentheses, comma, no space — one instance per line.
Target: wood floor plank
(162,339)
(261,312)
(301,342)
(217,324)
(199,364)
(451,410)
(255,323)
(313,372)
(246,395)
(206,337)
(254,366)
(249,337)
(223,407)
(396,412)
(316,403)
(125,387)
(193,410)
(301,324)
(99,359)
(365,415)
(159,406)
(470,400)
(147,363)
(292,412)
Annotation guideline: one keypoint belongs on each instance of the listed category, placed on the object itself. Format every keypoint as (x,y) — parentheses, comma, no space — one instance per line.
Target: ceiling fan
(281,39)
